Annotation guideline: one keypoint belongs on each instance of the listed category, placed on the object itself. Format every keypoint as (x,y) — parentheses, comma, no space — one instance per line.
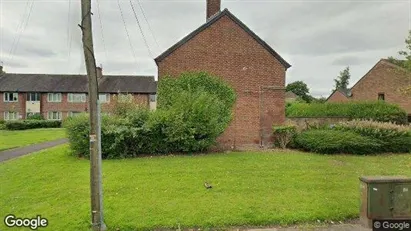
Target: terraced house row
(56,97)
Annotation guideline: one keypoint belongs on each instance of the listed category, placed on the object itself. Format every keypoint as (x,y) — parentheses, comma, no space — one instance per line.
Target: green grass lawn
(14,139)
(249,188)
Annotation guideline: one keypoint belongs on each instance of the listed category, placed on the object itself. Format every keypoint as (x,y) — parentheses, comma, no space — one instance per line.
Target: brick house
(382,82)
(339,96)
(56,97)
(226,47)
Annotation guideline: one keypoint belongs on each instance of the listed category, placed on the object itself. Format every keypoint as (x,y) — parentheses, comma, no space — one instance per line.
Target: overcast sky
(318,38)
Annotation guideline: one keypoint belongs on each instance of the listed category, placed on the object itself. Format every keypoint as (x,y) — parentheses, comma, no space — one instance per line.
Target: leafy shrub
(330,141)
(123,104)
(36,116)
(283,135)
(375,129)
(190,122)
(377,111)
(393,137)
(170,87)
(32,124)
(2,121)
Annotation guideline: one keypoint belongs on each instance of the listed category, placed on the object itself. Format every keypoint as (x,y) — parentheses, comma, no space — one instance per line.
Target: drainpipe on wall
(260,117)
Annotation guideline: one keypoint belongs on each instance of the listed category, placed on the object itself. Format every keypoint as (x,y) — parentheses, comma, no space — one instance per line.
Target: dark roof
(290,94)
(212,20)
(75,83)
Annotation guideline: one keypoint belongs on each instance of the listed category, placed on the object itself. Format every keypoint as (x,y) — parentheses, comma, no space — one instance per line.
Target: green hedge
(329,141)
(190,120)
(31,124)
(378,111)
(357,137)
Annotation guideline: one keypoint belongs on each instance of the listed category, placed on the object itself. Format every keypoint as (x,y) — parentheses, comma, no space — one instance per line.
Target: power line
(23,29)
(149,27)
(128,36)
(141,31)
(101,28)
(68,30)
(19,28)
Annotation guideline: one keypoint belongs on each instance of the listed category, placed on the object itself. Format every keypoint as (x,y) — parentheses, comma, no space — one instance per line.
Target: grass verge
(15,139)
(249,188)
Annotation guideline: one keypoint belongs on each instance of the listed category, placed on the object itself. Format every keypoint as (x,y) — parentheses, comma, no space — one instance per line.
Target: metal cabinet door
(401,201)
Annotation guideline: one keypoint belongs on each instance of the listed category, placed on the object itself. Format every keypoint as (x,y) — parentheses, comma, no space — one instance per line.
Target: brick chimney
(99,72)
(213,7)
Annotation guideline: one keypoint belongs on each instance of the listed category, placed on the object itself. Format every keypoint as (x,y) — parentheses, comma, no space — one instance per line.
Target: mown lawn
(249,188)
(14,139)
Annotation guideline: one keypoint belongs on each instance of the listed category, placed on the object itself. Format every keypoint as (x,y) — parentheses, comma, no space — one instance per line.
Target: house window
(33,97)
(76,98)
(10,97)
(54,97)
(54,115)
(381,96)
(74,113)
(104,98)
(153,97)
(11,115)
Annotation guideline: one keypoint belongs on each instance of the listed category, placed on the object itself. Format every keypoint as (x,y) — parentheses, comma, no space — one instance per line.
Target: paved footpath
(344,227)
(16,152)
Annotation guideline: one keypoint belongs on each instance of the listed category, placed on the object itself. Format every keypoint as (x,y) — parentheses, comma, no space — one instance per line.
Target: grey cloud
(316,37)
(347,61)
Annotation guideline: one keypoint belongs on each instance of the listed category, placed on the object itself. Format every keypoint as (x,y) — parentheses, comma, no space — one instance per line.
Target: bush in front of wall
(36,116)
(283,135)
(329,141)
(189,120)
(31,124)
(377,111)
(393,138)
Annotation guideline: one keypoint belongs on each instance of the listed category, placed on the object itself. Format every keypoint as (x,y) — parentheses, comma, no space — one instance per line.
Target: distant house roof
(212,20)
(75,83)
(290,95)
(345,92)
(381,61)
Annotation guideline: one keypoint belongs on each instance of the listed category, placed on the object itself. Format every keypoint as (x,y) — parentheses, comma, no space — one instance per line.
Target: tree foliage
(300,89)
(404,62)
(194,109)
(342,81)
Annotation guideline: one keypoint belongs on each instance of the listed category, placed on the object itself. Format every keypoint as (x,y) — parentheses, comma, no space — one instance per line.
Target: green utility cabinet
(384,197)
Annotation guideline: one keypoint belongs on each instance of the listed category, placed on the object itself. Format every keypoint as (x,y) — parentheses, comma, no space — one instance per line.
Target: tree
(405,62)
(300,89)
(342,81)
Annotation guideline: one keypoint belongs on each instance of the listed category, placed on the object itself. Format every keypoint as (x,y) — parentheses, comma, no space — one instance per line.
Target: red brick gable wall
(337,97)
(384,78)
(226,50)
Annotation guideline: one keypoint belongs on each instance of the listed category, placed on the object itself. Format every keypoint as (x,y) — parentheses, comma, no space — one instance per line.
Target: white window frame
(76,97)
(15,95)
(6,115)
(51,97)
(29,98)
(59,115)
(107,98)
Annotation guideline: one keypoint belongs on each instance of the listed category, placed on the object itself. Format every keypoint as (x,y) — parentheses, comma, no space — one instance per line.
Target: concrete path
(343,227)
(16,152)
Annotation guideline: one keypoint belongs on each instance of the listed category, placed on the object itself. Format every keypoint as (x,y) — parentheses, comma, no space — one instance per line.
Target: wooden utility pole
(97,221)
